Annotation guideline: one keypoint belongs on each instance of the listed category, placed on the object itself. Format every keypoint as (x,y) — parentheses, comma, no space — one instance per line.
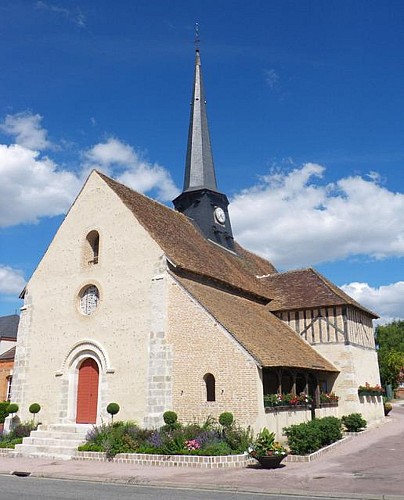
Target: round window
(89,298)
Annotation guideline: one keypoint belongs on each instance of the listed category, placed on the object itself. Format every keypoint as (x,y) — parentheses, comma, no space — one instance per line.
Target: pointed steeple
(199,169)
(200,200)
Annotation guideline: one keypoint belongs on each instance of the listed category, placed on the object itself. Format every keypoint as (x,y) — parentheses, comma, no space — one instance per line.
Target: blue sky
(305,110)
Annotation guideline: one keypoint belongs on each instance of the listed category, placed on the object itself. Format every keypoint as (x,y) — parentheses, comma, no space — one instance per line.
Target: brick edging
(205,462)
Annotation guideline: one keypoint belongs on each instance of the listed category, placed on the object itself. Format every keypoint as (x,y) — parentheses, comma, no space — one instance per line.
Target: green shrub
(34,409)
(309,437)
(170,418)
(23,430)
(354,422)
(113,409)
(10,443)
(330,429)
(91,447)
(217,449)
(238,438)
(12,408)
(4,411)
(303,438)
(226,419)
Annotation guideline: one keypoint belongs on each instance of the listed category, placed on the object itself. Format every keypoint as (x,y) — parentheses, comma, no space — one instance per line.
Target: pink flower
(192,444)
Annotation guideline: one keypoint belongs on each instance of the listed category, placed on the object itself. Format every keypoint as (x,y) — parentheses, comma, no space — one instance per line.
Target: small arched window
(89,298)
(93,247)
(210,387)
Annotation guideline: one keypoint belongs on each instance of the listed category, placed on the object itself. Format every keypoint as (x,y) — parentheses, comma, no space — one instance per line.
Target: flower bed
(207,439)
(287,401)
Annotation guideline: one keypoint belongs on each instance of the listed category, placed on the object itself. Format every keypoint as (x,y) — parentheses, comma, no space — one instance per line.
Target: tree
(390,345)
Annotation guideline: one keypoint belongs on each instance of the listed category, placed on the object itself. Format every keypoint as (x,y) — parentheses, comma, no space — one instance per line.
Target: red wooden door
(87,392)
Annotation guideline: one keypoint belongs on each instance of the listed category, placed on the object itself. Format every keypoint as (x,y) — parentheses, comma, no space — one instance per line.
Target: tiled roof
(305,289)
(8,355)
(188,249)
(9,326)
(261,333)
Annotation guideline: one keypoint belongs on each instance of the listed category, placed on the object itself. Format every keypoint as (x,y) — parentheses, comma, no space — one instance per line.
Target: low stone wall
(278,418)
(203,462)
(327,411)
(319,453)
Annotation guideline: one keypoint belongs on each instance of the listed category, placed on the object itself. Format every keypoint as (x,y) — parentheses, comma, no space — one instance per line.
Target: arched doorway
(87,392)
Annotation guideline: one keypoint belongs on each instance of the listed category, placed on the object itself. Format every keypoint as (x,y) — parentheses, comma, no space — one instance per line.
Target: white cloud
(31,187)
(386,300)
(11,281)
(122,162)
(294,219)
(27,131)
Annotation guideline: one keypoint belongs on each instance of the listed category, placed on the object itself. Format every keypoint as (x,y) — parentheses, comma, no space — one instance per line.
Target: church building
(161,309)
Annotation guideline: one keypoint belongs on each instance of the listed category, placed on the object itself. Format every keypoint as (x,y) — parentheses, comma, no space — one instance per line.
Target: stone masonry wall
(201,346)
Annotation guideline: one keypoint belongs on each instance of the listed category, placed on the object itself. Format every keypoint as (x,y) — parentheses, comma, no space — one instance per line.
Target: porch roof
(270,341)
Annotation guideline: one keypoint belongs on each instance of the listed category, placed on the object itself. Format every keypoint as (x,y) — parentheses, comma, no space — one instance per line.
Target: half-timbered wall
(330,325)
(360,329)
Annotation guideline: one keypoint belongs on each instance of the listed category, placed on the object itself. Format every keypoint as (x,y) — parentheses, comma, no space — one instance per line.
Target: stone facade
(55,336)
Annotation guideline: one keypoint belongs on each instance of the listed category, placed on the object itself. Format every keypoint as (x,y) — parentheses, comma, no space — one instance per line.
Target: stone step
(58,435)
(52,441)
(53,456)
(70,428)
(32,449)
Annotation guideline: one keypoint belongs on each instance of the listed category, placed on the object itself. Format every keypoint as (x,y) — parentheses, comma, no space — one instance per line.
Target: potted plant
(287,400)
(328,399)
(387,406)
(266,450)
(368,390)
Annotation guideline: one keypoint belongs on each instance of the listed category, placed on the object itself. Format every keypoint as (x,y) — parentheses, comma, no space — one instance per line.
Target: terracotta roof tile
(305,289)
(185,246)
(261,333)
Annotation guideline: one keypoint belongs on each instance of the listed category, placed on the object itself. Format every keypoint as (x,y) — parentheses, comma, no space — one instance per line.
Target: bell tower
(200,199)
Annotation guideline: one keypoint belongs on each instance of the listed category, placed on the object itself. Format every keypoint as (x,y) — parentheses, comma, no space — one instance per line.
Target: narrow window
(9,382)
(210,387)
(93,246)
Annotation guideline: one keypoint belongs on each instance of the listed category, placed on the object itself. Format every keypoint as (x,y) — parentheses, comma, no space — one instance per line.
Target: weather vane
(197,39)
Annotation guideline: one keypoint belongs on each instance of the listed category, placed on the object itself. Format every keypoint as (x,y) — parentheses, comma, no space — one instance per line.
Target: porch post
(294,375)
(317,393)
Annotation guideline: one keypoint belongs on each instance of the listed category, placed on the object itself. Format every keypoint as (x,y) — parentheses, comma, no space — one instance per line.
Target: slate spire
(199,168)
(200,200)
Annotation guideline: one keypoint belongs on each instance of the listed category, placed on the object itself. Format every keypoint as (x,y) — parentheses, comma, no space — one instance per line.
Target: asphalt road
(13,488)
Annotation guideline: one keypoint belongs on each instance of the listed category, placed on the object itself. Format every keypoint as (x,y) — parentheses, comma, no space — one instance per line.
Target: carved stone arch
(86,349)
(81,352)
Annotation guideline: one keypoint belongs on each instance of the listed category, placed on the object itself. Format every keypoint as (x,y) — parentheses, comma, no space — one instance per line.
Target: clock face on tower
(220,216)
